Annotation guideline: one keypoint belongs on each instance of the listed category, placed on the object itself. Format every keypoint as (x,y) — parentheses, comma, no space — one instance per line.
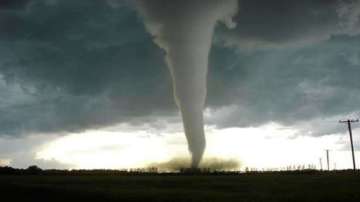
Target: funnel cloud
(184,30)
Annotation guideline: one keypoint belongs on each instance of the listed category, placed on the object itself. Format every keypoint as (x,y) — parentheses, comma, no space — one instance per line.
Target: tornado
(184,30)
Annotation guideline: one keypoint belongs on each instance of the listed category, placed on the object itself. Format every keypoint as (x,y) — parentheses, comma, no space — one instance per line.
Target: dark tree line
(35,170)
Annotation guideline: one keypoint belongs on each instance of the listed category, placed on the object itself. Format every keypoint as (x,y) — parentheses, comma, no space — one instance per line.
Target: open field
(253,187)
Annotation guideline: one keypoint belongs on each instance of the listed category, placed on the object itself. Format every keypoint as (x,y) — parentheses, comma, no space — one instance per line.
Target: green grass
(277,187)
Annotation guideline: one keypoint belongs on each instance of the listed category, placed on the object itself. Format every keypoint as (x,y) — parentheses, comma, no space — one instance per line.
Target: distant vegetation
(35,170)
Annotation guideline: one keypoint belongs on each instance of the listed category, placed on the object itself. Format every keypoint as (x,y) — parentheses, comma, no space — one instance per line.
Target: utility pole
(321,166)
(351,139)
(327,159)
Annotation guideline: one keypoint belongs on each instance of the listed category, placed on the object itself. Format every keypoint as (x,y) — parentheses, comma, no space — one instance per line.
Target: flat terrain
(277,187)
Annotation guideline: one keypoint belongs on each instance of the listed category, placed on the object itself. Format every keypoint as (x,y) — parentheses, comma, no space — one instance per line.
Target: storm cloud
(282,23)
(75,65)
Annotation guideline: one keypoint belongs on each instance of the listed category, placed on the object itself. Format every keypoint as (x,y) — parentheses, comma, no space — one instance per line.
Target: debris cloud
(211,164)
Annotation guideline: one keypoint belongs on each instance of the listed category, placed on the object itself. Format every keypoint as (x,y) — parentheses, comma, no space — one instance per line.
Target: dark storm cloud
(74,65)
(77,65)
(278,23)
(13,4)
(289,86)
(291,62)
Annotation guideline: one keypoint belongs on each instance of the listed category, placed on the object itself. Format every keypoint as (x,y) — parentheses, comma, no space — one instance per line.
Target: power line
(349,121)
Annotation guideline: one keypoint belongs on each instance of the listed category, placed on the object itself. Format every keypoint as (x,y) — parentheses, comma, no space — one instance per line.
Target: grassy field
(277,187)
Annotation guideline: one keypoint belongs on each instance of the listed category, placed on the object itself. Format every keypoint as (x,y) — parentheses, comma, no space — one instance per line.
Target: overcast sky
(73,66)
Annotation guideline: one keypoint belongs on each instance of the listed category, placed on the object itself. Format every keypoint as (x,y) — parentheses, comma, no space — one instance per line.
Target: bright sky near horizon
(266,147)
